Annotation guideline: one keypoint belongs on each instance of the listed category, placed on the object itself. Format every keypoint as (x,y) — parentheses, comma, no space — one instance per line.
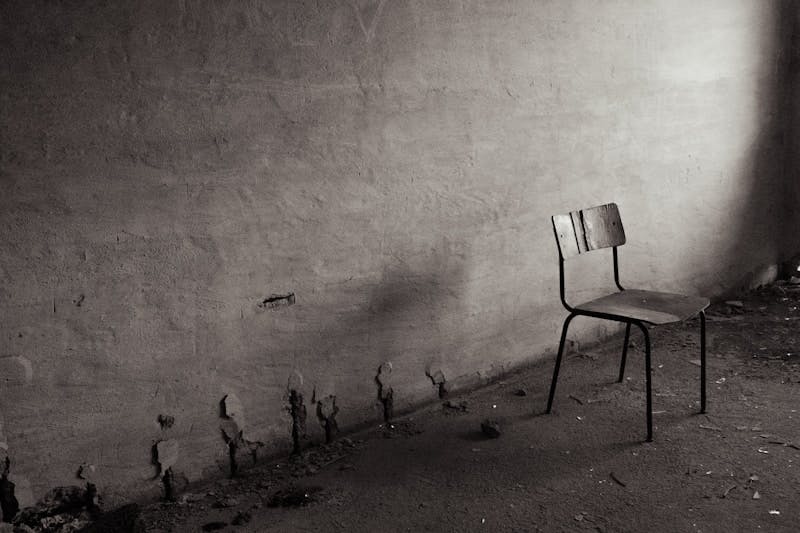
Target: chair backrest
(588,229)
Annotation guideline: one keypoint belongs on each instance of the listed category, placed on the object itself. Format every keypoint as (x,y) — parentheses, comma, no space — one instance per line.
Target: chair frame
(574,312)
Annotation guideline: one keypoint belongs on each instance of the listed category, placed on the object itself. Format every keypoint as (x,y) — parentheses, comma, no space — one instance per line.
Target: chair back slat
(588,229)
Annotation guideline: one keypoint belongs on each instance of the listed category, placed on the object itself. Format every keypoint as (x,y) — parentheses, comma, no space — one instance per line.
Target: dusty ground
(583,468)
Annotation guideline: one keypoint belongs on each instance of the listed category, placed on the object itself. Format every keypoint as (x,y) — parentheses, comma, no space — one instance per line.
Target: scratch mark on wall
(368,29)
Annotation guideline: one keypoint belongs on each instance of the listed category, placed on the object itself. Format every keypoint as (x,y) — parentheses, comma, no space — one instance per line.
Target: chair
(601,227)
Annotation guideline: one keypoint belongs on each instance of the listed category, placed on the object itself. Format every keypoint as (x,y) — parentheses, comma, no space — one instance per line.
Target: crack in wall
(165,455)
(8,501)
(297,410)
(439,381)
(385,390)
(326,413)
(232,427)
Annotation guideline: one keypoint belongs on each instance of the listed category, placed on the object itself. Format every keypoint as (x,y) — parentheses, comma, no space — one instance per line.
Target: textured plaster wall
(166,166)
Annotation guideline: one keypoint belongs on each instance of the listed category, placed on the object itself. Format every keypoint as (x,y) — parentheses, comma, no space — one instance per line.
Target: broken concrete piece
(490,428)
(226,502)
(293,497)
(190,498)
(62,505)
(734,303)
(461,406)
(242,518)
(167,453)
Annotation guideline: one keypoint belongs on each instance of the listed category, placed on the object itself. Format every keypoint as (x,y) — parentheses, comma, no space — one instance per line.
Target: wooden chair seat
(647,306)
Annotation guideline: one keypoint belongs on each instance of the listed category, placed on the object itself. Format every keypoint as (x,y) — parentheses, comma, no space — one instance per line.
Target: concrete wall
(167,166)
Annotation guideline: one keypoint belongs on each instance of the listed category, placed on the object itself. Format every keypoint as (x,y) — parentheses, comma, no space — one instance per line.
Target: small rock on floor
(490,428)
(242,518)
(227,502)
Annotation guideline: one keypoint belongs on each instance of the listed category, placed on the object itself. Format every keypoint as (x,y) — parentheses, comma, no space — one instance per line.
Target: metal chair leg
(558,361)
(702,361)
(624,353)
(648,382)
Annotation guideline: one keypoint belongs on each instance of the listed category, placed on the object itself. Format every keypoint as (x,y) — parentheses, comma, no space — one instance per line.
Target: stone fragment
(293,496)
(242,518)
(228,501)
(461,406)
(490,428)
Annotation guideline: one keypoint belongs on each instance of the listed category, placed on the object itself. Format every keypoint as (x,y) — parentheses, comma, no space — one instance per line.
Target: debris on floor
(294,496)
(490,428)
(381,481)
(460,406)
(214,526)
(62,509)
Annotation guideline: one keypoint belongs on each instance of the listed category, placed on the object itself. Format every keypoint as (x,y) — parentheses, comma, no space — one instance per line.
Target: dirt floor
(583,468)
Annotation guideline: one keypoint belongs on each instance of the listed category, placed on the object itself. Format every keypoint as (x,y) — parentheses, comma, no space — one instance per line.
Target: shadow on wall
(790,109)
(409,317)
(760,226)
